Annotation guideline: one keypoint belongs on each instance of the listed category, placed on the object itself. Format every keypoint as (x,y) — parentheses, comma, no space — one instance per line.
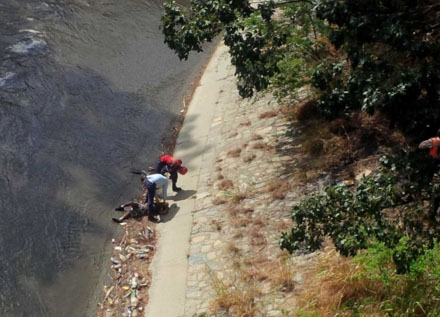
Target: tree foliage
(389,206)
(375,55)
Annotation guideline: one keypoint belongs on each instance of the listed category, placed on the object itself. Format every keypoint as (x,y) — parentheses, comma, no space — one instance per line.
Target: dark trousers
(163,168)
(151,193)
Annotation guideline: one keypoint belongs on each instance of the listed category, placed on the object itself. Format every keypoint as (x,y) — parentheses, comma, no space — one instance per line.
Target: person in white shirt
(152,183)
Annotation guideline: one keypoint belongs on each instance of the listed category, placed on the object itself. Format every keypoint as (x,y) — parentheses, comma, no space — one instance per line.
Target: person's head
(182,170)
(143,177)
(177,163)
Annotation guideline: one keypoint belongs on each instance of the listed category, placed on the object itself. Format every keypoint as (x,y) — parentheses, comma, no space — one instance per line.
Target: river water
(87,90)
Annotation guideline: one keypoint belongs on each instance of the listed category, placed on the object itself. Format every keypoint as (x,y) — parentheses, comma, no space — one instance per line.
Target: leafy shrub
(386,206)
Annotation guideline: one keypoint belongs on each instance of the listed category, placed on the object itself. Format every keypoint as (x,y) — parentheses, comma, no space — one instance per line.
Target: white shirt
(160,181)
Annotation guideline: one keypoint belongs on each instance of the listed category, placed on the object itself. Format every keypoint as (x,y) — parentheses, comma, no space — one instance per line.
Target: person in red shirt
(433,144)
(172,165)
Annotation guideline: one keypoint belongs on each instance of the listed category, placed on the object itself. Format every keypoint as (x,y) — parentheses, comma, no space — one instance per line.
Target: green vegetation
(389,206)
(375,56)
(369,286)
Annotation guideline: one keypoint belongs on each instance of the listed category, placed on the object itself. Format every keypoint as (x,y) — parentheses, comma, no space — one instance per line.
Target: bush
(393,203)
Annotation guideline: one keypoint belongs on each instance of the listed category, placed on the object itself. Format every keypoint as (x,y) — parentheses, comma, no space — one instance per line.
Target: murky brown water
(87,89)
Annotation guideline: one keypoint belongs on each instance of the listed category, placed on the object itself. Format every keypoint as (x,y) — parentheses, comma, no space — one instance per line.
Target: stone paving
(238,214)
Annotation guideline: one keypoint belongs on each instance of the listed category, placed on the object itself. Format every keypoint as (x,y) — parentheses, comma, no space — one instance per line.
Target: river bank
(87,89)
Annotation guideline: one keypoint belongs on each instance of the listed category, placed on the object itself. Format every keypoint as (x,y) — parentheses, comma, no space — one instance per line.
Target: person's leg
(122,218)
(160,166)
(128,204)
(150,199)
(173,177)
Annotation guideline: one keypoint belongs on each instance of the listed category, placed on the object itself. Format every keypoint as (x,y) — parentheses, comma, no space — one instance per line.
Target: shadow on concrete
(171,213)
(182,195)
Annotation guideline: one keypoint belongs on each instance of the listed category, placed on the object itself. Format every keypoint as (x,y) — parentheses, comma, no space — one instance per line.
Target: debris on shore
(130,261)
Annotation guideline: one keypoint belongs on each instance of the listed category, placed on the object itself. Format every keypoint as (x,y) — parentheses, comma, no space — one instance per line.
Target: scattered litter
(132,253)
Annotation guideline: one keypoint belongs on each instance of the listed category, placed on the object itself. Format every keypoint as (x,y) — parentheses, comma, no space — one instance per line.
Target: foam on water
(5,77)
(26,45)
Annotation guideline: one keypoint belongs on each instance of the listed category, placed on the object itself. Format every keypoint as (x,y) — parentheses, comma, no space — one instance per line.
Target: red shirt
(171,161)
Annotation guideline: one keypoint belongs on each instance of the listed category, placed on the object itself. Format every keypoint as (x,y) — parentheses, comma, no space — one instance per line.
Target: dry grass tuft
(256,137)
(258,222)
(238,235)
(238,211)
(282,275)
(218,201)
(220,176)
(278,189)
(232,300)
(231,248)
(233,212)
(216,225)
(245,124)
(237,197)
(234,153)
(249,158)
(239,222)
(255,274)
(268,114)
(225,184)
(257,238)
(233,135)
(338,278)
(262,146)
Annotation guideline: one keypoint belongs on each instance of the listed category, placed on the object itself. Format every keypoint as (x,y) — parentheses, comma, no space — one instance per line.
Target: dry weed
(216,225)
(218,201)
(237,211)
(256,237)
(231,248)
(233,135)
(278,188)
(245,124)
(256,137)
(249,158)
(237,197)
(234,153)
(268,114)
(258,222)
(225,184)
(238,235)
(220,177)
(239,222)
(338,279)
(282,274)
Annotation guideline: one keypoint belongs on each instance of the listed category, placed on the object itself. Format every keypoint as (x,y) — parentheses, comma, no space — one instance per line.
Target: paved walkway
(219,245)
(170,265)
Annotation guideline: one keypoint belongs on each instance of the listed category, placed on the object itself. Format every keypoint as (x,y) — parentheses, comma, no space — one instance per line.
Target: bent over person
(151,183)
(172,165)
(433,144)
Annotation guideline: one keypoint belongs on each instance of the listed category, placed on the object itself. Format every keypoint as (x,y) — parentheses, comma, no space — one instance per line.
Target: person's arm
(427,144)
